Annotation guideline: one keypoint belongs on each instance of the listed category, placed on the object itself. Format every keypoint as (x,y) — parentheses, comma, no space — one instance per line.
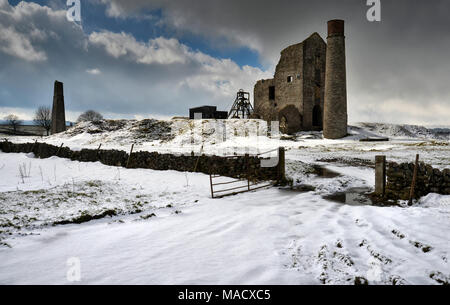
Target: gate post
(380,175)
(281,173)
(211,185)
(413,183)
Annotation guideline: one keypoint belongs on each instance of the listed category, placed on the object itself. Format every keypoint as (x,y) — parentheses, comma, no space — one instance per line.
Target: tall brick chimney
(335,104)
(58,111)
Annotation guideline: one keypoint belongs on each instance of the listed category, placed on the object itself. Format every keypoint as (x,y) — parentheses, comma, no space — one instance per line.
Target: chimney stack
(58,111)
(335,104)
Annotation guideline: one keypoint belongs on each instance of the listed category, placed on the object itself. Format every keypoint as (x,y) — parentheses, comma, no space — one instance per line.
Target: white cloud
(94,71)
(220,77)
(19,45)
(123,8)
(159,50)
(22,113)
(20,34)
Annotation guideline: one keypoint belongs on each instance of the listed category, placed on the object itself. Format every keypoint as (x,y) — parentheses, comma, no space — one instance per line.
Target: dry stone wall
(238,167)
(429,180)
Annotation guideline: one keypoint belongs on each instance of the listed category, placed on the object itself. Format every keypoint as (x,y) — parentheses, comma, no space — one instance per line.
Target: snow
(179,134)
(166,229)
(60,190)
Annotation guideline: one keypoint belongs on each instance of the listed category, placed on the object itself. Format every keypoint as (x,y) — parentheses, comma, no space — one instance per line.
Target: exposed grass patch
(148,216)
(85,217)
(419,245)
(440,278)
(398,234)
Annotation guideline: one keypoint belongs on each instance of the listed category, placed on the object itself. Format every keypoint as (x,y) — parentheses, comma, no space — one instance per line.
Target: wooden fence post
(32,147)
(198,159)
(247,165)
(211,184)
(129,156)
(413,183)
(57,152)
(380,175)
(281,171)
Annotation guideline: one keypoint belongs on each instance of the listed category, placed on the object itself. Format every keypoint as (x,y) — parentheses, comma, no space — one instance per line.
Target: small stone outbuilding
(208,112)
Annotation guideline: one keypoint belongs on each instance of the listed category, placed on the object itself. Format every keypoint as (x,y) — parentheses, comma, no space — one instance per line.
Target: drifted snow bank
(434,201)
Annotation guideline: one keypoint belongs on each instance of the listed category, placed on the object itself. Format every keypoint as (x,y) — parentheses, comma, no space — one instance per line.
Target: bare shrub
(43,118)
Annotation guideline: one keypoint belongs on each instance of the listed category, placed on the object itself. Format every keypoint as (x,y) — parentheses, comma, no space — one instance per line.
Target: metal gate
(236,185)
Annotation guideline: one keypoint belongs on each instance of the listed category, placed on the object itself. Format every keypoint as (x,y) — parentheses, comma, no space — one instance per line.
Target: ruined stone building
(296,95)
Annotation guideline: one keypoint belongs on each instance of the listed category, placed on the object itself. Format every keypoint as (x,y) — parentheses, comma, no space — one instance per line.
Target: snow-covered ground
(161,227)
(250,136)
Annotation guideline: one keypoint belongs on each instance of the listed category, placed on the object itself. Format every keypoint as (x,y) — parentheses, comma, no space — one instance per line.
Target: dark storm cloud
(398,69)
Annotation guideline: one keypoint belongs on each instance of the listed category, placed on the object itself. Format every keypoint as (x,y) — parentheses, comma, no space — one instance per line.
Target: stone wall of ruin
(264,108)
(314,58)
(429,180)
(294,100)
(290,64)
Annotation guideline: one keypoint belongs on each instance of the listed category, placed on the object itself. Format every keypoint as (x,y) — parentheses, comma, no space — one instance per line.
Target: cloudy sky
(157,58)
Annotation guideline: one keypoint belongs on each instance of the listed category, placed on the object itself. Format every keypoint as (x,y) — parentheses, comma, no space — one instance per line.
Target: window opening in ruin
(317,59)
(317,116)
(271,92)
(317,77)
(317,95)
(290,79)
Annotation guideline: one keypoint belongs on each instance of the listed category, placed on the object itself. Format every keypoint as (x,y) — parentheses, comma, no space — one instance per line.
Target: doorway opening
(317,116)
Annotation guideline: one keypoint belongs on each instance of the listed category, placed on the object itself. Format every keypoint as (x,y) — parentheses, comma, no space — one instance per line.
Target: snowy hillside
(409,131)
(235,136)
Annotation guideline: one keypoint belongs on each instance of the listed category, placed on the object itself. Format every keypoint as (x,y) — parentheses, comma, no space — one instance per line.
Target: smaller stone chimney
(58,111)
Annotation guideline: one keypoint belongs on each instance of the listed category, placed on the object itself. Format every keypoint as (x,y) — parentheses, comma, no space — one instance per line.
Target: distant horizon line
(29,122)
(431,126)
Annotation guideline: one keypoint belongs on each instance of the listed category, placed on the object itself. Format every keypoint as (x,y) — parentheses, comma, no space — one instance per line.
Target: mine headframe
(242,108)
